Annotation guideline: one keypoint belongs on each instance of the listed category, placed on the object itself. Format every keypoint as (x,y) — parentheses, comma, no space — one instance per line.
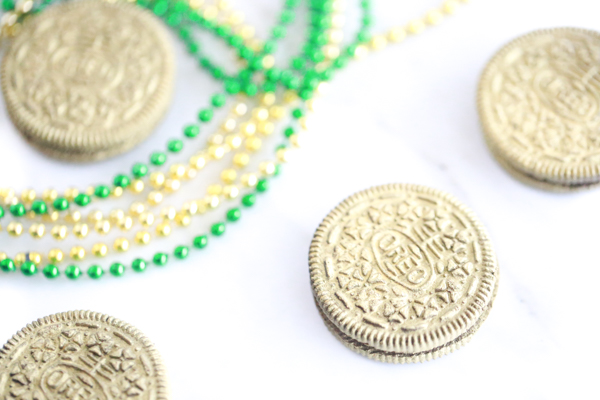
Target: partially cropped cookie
(81,355)
(88,80)
(539,104)
(403,273)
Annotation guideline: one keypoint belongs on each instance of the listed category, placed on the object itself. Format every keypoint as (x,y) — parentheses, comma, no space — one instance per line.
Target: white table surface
(238,320)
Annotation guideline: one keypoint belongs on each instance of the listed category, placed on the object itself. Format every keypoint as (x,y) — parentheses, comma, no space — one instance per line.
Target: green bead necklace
(302,78)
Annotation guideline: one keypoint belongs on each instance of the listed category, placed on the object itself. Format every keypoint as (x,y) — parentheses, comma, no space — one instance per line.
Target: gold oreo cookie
(539,104)
(87,80)
(81,355)
(403,273)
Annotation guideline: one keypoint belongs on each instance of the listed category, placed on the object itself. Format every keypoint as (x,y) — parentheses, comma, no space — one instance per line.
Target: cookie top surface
(81,354)
(403,268)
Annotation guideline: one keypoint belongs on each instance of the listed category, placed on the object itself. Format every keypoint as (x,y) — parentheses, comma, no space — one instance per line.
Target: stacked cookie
(402,273)
(539,103)
(88,80)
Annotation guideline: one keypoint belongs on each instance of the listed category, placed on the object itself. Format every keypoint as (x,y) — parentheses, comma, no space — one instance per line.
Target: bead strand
(261,187)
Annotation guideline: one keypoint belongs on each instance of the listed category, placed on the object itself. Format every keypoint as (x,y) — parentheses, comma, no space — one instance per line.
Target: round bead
(218,100)
(183,219)
(137,186)
(231,191)
(77,253)
(49,195)
(155,198)
(59,232)
(37,231)
(181,252)
(19,259)
(241,160)
(212,201)
(449,6)
(205,115)
(7,265)
(56,256)
(172,185)
(297,113)
(177,171)
(39,207)
(95,272)
(266,128)
(168,213)
(100,250)
(102,227)
(80,230)
(142,238)
(248,128)
(73,217)
(262,185)
(14,229)
(397,34)
(218,229)
(175,146)
(216,152)
(139,265)
(28,268)
(60,204)
(160,259)
(121,245)
(126,223)
(51,271)
(34,257)
(121,181)
(157,179)
(234,214)
(147,219)
(18,210)
(283,155)
(201,241)
(253,144)
(139,170)
(102,191)
(191,131)
(73,272)
(267,168)
(163,229)
(71,193)
(158,158)
(416,26)
(82,200)
(137,208)
(228,175)
(198,161)
(51,216)
(117,269)
(249,200)
(434,17)
(232,86)
(116,215)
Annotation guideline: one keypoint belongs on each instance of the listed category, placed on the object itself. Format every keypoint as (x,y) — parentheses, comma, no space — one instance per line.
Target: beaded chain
(263,95)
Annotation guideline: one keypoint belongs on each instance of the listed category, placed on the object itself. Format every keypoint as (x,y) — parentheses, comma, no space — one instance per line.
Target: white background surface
(238,320)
